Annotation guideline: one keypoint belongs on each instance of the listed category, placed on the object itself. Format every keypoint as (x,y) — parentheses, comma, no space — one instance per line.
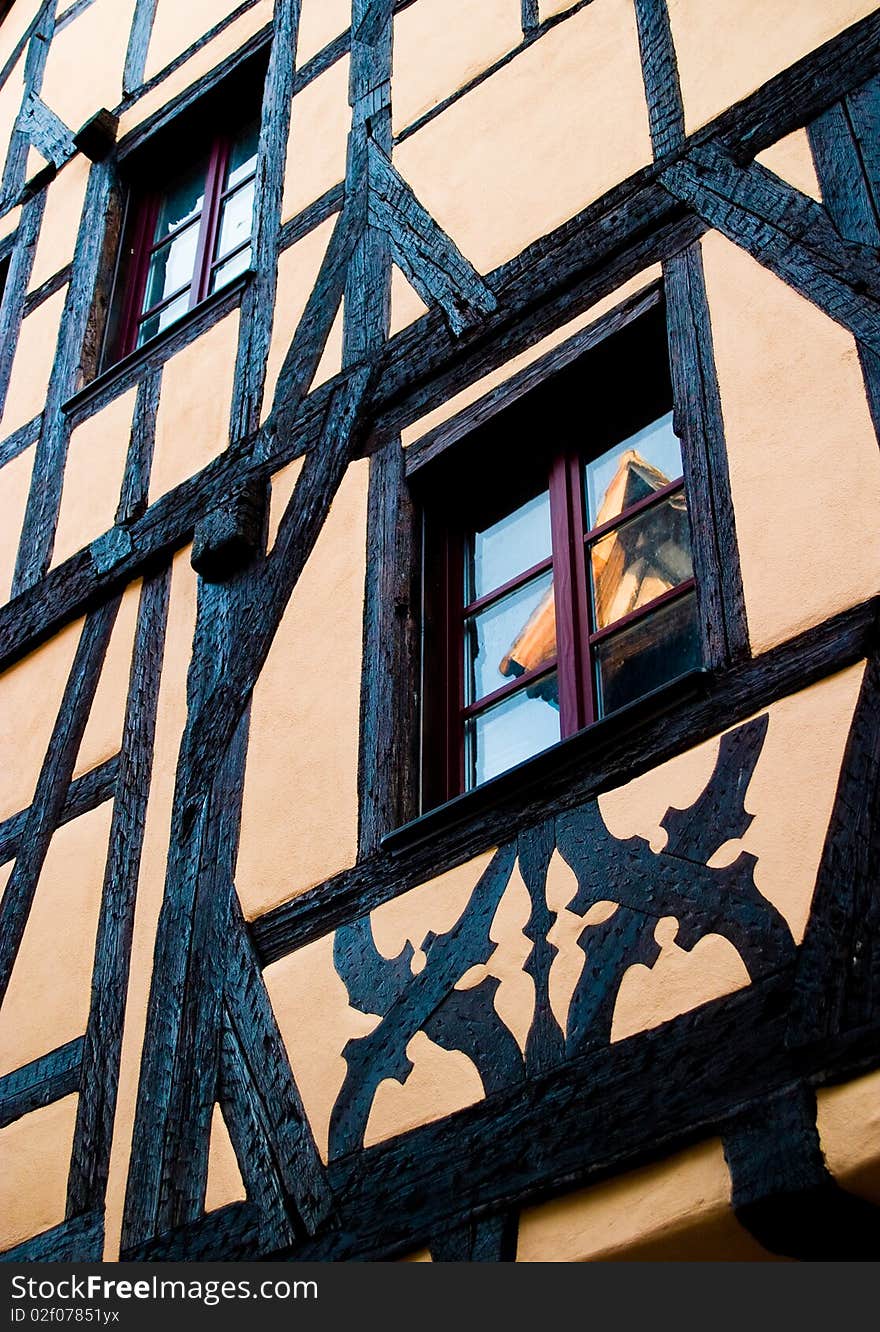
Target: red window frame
(205,264)
(446,710)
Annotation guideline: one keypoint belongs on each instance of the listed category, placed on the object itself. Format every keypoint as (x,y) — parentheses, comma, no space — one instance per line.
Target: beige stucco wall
(849,1130)
(224,1184)
(206,58)
(297,271)
(192,423)
(440,45)
(320,21)
(723,58)
(539,140)
(678,1209)
(103,28)
(35,1151)
(61,218)
(93,476)
(30,694)
(47,1002)
(176,27)
(319,122)
(803,458)
(299,817)
(32,365)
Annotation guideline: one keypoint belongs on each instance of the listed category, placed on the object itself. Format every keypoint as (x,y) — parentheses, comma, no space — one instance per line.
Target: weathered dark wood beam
(102,1044)
(782,1191)
(41,1082)
(787,232)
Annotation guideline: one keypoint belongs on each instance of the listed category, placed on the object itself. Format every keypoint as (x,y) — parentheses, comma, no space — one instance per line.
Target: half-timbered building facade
(439,678)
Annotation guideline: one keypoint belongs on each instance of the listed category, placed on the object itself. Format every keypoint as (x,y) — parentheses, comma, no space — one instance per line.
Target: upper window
(187,234)
(559,581)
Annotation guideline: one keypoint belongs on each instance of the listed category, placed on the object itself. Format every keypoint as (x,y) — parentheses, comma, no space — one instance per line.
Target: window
(559,585)
(187,235)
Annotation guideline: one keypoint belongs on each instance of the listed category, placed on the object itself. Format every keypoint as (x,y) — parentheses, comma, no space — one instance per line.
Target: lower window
(559,585)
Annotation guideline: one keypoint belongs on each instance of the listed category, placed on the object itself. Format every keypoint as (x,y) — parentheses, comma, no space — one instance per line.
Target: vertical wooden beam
(700,426)
(660,73)
(102,1044)
(41,515)
(138,45)
(530,16)
(15,291)
(385,766)
(781,1190)
(848,167)
(490,1239)
(139,461)
(258,303)
(389,733)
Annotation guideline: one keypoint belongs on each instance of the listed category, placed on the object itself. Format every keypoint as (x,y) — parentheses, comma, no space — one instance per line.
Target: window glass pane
(515,635)
(647,654)
(512,731)
(640,560)
(183,200)
(231,269)
(243,155)
(155,323)
(510,546)
(633,469)
(171,268)
(235,220)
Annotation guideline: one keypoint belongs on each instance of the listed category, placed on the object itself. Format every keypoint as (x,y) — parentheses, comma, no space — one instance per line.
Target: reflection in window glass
(243,156)
(182,201)
(171,268)
(511,731)
(647,654)
(510,546)
(163,318)
(633,469)
(512,636)
(224,273)
(235,220)
(640,560)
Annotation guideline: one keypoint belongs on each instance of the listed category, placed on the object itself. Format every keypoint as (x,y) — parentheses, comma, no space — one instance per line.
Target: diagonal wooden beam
(46,131)
(786,231)
(264,1067)
(430,259)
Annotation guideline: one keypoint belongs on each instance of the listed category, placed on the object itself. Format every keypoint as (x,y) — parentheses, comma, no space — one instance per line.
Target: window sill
(570,758)
(164,344)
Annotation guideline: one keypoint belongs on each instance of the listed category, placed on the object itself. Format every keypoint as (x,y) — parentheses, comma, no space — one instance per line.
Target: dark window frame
(141,230)
(445,709)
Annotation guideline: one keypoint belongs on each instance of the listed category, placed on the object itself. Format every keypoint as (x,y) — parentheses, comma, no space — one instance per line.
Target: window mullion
(210,221)
(567,527)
